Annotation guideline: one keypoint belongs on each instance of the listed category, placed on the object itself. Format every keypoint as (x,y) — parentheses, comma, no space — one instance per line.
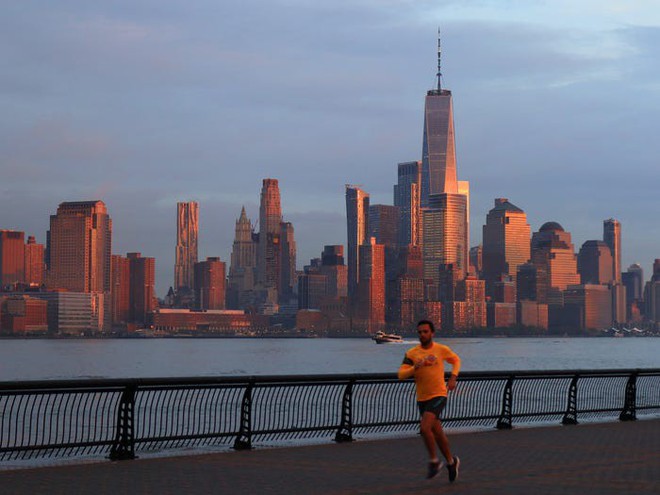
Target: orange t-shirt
(429,378)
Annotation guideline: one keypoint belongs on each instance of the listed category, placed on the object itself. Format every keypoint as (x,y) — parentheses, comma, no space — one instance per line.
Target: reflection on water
(127,358)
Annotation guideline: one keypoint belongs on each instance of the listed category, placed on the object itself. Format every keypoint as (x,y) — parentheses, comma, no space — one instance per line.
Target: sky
(144,103)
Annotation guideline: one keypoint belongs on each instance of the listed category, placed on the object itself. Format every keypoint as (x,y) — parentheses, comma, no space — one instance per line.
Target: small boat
(381,337)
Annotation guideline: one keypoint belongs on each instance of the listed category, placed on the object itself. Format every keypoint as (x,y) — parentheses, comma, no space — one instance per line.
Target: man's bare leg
(442,441)
(428,434)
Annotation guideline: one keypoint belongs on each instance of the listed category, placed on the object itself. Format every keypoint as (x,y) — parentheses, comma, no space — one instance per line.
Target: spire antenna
(439,74)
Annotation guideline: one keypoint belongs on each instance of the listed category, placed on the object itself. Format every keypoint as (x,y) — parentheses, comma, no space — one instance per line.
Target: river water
(31,359)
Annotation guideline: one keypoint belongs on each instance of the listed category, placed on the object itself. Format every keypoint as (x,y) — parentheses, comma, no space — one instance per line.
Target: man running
(426,363)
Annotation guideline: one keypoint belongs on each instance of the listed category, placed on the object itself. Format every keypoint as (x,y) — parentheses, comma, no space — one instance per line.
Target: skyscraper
(210,284)
(187,231)
(243,261)
(357,221)
(554,256)
(34,262)
(595,263)
(384,224)
(445,236)
(445,199)
(506,242)
(121,291)
(333,267)
(612,237)
(438,147)
(12,258)
(633,280)
(407,198)
(142,281)
(80,242)
(371,286)
(287,277)
(268,251)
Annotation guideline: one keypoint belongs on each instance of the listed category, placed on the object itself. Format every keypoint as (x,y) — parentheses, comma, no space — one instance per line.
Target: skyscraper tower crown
(439,74)
(438,147)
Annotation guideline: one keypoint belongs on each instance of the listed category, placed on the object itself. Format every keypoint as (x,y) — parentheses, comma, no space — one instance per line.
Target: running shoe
(434,467)
(453,469)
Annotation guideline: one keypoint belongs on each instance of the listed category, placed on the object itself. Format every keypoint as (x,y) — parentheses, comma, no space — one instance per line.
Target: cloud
(146,103)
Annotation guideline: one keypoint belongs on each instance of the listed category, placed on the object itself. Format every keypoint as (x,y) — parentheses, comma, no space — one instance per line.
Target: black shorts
(434,405)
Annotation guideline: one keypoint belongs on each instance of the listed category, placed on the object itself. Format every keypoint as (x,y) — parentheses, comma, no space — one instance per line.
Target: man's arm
(452,358)
(407,368)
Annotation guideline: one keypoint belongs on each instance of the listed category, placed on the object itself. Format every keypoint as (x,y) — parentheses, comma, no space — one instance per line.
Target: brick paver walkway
(606,458)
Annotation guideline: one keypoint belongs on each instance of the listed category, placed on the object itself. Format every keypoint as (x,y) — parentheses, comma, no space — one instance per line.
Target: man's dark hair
(427,322)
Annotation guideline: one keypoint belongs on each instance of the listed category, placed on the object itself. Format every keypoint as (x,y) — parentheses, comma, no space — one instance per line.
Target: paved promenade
(609,458)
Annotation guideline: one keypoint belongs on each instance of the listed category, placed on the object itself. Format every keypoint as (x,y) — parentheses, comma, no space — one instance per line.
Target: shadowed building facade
(287,275)
(187,232)
(595,263)
(588,307)
(612,237)
(142,288)
(633,279)
(652,296)
(407,198)
(243,262)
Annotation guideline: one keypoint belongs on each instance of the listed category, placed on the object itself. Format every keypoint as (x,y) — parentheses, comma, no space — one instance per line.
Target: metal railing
(119,418)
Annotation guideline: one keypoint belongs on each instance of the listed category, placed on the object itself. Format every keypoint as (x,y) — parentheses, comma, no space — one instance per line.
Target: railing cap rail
(121,383)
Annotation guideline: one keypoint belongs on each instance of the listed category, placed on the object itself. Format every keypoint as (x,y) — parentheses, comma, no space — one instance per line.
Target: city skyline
(575,141)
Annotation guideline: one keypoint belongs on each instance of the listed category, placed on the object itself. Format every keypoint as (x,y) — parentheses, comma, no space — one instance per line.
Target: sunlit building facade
(445,237)
(506,242)
(371,286)
(12,258)
(438,146)
(210,284)
(80,242)
(357,221)
(268,251)
(187,232)
(34,262)
(554,257)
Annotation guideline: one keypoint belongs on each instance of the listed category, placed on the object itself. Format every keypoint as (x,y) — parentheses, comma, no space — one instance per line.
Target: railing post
(244,438)
(345,430)
(629,412)
(123,448)
(504,421)
(570,416)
